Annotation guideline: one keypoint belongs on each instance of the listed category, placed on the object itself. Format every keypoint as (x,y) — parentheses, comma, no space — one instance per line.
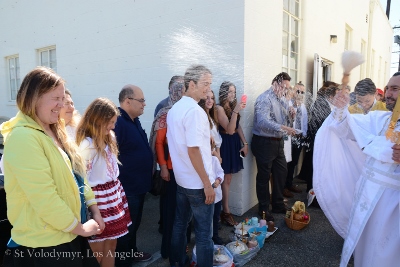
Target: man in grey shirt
(271,120)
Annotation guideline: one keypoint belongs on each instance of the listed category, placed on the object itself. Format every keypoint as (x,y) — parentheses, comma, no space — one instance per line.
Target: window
(13,75)
(347,38)
(371,75)
(290,38)
(379,71)
(385,73)
(362,67)
(47,57)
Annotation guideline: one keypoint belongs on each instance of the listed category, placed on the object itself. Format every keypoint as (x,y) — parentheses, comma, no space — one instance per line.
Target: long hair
(212,112)
(36,83)
(96,117)
(223,99)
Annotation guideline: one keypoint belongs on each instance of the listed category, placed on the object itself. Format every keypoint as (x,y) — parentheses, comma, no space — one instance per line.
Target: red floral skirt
(113,206)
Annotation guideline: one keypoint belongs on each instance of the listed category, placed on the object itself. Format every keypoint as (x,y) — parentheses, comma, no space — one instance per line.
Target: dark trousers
(76,253)
(296,151)
(127,243)
(307,170)
(169,207)
(217,213)
(270,157)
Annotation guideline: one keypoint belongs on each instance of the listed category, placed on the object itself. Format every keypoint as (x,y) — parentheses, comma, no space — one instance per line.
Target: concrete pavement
(316,245)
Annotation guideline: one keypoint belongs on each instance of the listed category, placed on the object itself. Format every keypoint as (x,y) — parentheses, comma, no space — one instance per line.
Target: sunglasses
(300,92)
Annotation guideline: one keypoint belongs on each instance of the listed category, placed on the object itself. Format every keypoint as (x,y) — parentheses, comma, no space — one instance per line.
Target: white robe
(357,185)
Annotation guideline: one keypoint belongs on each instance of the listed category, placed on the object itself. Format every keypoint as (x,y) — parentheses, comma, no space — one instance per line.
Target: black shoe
(160,229)
(268,216)
(218,241)
(279,210)
(142,256)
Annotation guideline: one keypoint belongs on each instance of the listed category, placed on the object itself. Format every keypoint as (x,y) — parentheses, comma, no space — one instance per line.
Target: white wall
(261,64)
(320,19)
(103,45)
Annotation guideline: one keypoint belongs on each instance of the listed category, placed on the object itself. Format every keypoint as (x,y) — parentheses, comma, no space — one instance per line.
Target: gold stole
(390,133)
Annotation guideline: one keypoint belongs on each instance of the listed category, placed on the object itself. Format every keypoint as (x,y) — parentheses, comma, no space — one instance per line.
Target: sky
(394,19)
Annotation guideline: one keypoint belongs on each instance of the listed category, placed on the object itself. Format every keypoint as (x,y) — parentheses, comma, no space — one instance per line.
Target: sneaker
(142,256)
(218,241)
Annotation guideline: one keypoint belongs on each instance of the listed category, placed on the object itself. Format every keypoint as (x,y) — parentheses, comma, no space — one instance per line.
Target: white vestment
(357,185)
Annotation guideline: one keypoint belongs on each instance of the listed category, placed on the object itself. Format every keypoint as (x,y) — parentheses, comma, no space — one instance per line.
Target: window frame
(287,54)
(17,77)
(348,38)
(47,49)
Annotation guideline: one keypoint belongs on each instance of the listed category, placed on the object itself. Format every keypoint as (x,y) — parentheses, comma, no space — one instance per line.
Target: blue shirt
(135,154)
(270,113)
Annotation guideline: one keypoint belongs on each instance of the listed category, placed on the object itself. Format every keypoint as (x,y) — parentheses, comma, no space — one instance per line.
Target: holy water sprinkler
(350,60)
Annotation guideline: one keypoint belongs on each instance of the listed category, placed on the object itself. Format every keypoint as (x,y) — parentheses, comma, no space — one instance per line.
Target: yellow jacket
(356,109)
(43,203)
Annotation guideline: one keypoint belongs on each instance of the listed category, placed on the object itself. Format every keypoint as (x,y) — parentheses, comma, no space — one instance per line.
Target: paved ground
(316,245)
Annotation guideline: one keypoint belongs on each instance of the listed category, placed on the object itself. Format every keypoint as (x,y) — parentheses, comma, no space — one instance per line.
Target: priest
(357,179)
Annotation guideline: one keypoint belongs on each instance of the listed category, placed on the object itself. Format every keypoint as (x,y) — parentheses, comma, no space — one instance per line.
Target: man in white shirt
(189,146)
(357,179)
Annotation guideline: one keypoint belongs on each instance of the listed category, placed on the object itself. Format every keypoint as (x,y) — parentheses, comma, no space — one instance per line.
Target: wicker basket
(296,225)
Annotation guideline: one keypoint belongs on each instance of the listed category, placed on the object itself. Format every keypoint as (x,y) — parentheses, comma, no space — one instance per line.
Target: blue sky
(394,19)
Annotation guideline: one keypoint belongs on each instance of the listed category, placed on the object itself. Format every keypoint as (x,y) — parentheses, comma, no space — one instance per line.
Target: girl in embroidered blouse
(98,147)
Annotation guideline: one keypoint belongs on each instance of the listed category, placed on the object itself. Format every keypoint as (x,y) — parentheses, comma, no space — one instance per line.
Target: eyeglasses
(138,100)
(300,92)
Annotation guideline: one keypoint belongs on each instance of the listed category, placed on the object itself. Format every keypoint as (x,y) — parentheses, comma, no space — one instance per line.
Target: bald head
(127,91)
(131,99)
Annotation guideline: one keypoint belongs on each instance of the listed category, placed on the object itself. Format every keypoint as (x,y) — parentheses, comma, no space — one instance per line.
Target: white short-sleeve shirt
(188,126)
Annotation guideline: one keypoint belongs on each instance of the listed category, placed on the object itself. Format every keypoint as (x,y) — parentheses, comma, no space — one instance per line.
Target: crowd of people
(83,192)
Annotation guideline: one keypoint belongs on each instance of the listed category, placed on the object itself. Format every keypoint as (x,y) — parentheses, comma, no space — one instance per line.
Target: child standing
(99,149)
(219,173)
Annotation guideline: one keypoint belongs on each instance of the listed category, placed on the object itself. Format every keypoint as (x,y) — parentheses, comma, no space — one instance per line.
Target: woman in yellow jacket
(46,194)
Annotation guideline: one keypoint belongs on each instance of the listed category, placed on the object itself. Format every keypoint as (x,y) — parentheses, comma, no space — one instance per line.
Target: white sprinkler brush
(350,60)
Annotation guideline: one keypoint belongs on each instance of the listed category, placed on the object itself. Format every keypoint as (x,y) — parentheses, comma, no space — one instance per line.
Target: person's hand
(216,183)
(245,150)
(87,229)
(164,173)
(341,99)
(97,217)
(292,112)
(210,194)
(239,107)
(289,130)
(396,153)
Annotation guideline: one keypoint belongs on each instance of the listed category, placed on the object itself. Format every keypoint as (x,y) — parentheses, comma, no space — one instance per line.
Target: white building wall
(320,19)
(262,40)
(103,45)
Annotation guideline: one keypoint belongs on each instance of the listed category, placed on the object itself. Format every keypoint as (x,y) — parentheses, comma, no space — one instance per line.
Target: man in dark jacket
(136,169)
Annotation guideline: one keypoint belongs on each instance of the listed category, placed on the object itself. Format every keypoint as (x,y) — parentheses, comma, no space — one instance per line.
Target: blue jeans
(127,243)
(191,202)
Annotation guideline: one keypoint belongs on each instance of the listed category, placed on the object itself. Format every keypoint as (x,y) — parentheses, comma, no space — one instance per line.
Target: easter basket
(294,224)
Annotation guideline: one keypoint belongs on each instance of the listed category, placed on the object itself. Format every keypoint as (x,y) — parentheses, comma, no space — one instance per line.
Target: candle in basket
(263,222)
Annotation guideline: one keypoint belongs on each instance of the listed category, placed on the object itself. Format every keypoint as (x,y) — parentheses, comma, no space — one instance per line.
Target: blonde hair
(93,122)
(36,83)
